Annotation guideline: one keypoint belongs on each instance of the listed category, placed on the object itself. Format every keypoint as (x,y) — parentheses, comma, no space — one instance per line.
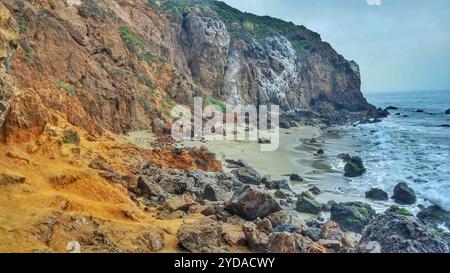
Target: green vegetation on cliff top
(244,25)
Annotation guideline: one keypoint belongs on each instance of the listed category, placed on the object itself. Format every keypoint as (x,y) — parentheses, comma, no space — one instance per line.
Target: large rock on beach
(377,194)
(352,216)
(203,236)
(307,203)
(395,233)
(248,175)
(251,203)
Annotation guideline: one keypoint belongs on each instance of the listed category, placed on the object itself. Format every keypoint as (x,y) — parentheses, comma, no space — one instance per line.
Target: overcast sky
(400,44)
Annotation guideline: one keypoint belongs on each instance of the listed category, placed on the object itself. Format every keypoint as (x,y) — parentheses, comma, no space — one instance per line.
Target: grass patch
(29,53)
(66,87)
(400,211)
(131,38)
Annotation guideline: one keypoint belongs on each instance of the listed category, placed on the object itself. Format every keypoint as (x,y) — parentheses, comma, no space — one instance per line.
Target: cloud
(374,2)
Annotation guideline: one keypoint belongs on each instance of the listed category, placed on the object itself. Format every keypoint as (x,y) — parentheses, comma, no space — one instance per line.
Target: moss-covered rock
(354,167)
(307,203)
(352,216)
(400,211)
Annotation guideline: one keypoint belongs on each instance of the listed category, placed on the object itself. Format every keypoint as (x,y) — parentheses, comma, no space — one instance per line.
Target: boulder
(282,194)
(178,203)
(204,236)
(447,112)
(276,184)
(176,184)
(216,193)
(327,207)
(147,187)
(154,241)
(354,167)
(278,218)
(420,111)
(331,244)
(251,203)
(239,163)
(331,231)
(248,175)
(395,233)
(9,179)
(435,216)
(257,241)
(377,194)
(312,233)
(233,235)
(320,152)
(391,108)
(403,194)
(352,216)
(283,242)
(315,190)
(296,178)
(307,204)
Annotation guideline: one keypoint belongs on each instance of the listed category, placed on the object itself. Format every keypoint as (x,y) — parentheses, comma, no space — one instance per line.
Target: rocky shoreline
(242,208)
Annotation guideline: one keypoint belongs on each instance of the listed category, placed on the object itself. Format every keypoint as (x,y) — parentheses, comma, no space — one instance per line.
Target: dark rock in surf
(354,167)
(377,194)
(434,216)
(447,112)
(296,178)
(391,108)
(404,195)
(315,190)
(320,152)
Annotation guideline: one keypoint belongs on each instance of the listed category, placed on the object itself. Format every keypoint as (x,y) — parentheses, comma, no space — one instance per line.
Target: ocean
(408,146)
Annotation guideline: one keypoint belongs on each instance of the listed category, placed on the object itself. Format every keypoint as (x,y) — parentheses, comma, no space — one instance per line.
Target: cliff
(122,65)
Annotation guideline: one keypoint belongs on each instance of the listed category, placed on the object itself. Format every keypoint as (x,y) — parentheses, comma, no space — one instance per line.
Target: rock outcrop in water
(403,194)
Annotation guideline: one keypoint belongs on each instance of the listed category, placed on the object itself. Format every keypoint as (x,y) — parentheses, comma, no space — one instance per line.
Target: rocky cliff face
(122,65)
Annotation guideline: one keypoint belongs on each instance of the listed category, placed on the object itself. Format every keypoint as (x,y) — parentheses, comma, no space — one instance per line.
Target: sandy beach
(296,155)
